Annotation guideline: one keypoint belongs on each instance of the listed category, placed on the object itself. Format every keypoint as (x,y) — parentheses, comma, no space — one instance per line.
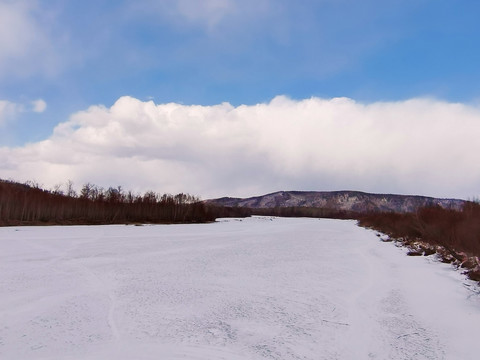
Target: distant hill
(351,201)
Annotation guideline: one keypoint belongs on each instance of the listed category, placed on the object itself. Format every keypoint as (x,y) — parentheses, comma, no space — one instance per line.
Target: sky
(240,98)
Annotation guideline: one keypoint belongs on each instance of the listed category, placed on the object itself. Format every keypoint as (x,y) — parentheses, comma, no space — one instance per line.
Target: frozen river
(260,288)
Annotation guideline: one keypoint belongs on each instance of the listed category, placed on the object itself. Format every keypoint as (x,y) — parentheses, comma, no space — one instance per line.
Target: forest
(29,204)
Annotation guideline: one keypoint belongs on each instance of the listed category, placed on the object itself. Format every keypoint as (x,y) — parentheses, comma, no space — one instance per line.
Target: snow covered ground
(258,288)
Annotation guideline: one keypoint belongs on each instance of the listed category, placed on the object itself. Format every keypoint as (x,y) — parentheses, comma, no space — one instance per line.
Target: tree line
(453,235)
(28,203)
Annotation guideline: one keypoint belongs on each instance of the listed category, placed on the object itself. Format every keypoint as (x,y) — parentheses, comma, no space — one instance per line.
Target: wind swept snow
(257,288)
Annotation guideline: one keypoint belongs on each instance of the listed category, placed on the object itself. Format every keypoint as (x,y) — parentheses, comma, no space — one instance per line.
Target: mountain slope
(355,201)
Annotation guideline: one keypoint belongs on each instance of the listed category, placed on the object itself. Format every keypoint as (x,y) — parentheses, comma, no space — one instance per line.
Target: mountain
(354,201)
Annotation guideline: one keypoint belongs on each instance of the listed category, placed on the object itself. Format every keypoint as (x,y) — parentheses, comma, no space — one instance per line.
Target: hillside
(351,201)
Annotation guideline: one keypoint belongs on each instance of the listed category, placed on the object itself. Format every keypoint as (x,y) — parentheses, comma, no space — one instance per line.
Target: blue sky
(72,55)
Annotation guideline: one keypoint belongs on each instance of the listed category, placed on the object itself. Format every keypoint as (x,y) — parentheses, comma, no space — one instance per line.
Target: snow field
(256,288)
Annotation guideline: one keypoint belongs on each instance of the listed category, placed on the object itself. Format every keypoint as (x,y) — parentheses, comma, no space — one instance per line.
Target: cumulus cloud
(420,146)
(39,106)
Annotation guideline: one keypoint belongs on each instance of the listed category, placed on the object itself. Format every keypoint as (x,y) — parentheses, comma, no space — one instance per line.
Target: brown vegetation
(453,235)
(28,204)
(304,211)
(291,211)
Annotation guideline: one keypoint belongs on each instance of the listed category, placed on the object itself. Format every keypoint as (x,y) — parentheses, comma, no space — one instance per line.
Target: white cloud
(206,14)
(209,12)
(7,110)
(16,29)
(420,146)
(10,110)
(39,106)
(24,42)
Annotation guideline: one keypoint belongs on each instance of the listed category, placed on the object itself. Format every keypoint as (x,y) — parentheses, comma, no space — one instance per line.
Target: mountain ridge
(344,200)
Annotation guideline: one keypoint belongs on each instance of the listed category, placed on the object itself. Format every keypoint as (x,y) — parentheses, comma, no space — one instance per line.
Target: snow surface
(258,288)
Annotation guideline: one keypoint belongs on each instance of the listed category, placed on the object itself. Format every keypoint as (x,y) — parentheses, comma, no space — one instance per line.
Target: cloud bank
(418,146)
